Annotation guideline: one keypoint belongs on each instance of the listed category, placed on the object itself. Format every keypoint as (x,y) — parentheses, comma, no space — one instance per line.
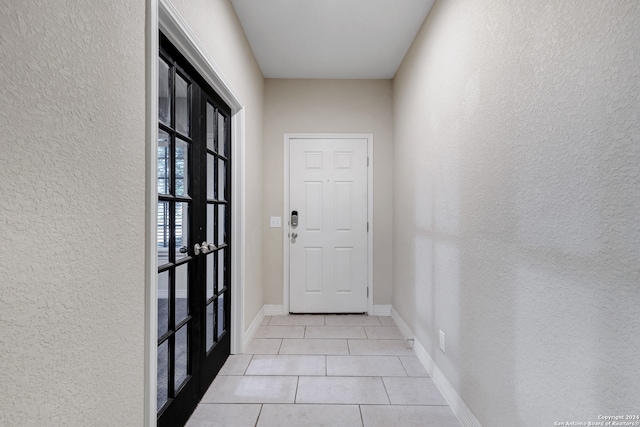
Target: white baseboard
(382,310)
(273,310)
(251,331)
(402,325)
(455,402)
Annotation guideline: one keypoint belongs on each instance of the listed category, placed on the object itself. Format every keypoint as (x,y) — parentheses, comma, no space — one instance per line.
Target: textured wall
(216,26)
(72,172)
(517,205)
(328,106)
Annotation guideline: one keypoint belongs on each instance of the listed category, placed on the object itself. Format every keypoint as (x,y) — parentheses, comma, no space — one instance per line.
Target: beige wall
(72,215)
(72,178)
(216,26)
(327,106)
(517,200)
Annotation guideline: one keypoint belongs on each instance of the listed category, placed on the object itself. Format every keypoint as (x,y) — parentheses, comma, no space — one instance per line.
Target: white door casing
(329,248)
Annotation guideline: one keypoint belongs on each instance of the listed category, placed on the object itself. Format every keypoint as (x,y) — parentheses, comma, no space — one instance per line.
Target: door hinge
(367,292)
(367,161)
(367,227)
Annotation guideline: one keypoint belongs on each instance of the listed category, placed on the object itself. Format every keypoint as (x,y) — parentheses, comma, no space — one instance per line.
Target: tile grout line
(259,413)
(385,390)
(404,367)
(295,396)
(244,373)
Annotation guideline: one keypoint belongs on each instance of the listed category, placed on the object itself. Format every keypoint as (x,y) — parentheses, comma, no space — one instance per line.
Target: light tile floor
(324,371)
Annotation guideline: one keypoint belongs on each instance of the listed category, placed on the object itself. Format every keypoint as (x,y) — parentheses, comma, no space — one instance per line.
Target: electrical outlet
(275,222)
(441,340)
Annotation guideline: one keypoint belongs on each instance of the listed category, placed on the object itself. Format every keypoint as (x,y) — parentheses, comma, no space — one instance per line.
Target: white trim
(285,225)
(402,325)
(455,402)
(237,232)
(274,310)
(173,25)
(253,328)
(382,310)
(286,187)
(370,218)
(162,15)
(151,217)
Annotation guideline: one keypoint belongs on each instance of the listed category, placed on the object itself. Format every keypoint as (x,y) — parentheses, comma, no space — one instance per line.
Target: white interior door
(328,248)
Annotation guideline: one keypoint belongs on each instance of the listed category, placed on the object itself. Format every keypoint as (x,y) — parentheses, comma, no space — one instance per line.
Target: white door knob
(203,247)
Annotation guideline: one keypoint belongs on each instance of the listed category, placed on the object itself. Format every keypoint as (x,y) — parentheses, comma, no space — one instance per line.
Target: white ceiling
(331,39)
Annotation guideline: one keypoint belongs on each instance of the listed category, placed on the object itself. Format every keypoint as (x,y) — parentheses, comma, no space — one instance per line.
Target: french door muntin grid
(176,151)
(174,202)
(218,175)
(218,213)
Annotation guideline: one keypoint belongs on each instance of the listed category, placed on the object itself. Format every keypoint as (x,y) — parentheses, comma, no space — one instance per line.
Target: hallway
(316,370)
(505,213)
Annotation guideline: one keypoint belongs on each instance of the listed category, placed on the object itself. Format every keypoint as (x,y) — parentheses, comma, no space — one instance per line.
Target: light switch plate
(275,222)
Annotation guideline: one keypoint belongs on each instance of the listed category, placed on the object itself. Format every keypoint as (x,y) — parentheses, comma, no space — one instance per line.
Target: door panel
(314,270)
(176,265)
(328,249)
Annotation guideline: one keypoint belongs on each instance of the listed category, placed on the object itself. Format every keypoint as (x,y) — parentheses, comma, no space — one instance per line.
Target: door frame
(162,15)
(285,222)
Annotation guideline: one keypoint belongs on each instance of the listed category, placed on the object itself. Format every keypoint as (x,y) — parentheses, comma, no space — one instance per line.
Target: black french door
(194,187)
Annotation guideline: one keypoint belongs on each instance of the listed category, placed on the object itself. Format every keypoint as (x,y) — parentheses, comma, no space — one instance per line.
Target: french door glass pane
(181,294)
(211,192)
(210,325)
(182,105)
(221,224)
(221,325)
(210,223)
(163,373)
(182,168)
(210,129)
(164,92)
(221,136)
(163,235)
(181,349)
(220,266)
(182,230)
(211,278)
(164,162)
(163,302)
(221,178)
